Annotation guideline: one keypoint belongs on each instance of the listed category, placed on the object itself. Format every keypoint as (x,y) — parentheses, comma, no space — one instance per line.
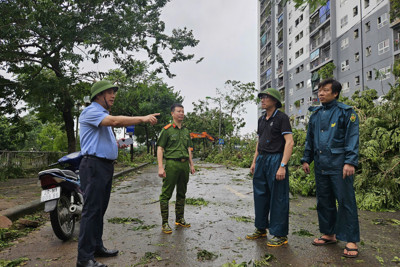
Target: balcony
(320,17)
(319,41)
(264,4)
(319,57)
(280,82)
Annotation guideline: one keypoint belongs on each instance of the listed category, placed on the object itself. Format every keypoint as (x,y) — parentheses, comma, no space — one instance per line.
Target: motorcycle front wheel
(62,221)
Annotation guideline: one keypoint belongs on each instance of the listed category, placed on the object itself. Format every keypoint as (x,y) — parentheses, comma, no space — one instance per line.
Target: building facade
(353,37)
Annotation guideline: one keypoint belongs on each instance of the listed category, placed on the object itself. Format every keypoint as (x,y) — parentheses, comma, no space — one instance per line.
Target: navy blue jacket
(332,138)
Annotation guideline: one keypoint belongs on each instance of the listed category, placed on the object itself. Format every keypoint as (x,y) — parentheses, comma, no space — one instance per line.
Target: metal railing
(28,160)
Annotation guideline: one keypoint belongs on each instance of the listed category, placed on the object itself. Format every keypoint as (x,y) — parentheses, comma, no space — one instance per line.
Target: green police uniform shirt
(175,142)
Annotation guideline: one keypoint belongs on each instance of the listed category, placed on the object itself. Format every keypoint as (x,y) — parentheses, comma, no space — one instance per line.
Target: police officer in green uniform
(174,144)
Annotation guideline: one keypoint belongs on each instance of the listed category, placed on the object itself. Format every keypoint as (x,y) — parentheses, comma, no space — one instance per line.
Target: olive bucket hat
(101,86)
(274,93)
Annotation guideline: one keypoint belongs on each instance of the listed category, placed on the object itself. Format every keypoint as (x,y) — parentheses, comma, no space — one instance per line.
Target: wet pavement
(218,228)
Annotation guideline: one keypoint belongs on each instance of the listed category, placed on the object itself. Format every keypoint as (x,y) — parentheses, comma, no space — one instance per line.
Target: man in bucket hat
(99,149)
(269,167)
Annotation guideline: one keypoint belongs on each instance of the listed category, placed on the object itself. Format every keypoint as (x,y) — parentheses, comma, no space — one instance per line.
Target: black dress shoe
(90,263)
(103,252)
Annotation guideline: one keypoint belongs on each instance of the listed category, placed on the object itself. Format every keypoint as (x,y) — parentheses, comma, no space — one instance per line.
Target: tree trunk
(146,129)
(69,128)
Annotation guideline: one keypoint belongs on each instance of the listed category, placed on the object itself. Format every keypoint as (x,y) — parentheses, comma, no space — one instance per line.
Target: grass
(242,219)
(204,255)
(196,201)
(12,263)
(143,227)
(302,232)
(8,236)
(148,258)
(264,261)
(125,220)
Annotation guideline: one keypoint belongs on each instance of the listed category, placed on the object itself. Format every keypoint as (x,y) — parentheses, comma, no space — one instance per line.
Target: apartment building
(354,36)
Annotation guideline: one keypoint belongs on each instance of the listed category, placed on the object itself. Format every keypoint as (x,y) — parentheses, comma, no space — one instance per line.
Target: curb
(15,212)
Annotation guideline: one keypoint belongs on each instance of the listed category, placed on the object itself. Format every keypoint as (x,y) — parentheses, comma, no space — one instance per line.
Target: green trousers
(177,174)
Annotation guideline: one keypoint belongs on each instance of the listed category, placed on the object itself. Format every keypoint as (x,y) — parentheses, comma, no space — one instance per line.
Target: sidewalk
(22,195)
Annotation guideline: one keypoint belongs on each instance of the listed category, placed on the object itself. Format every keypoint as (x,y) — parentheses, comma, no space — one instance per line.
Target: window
(345,87)
(368,51)
(314,55)
(290,45)
(342,2)
(383,47)
(291,91)
(290,14)
(368,26)
(366,3)
(343,21)
(345,65)
(300,85)
(299,53)
(290,61)
(291,77)
(355,33)
(344,43)
(298,37)
(290,107)
(355,11)
(369,75)
(357,57)
(384,73)
(300,19)
(290,29)
(300,68)
(309,83)
(357,80)
(308,66)
(382,20)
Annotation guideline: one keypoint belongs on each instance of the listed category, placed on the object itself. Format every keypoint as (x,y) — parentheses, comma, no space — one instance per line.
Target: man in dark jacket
(332,143)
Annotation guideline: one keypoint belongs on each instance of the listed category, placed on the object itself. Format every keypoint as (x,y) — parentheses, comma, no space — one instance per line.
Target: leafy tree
(43,43)
(144,93)
(52,138)
(233,98)
(326,71)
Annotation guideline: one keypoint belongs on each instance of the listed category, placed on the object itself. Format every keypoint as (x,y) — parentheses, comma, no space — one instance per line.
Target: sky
(227,31)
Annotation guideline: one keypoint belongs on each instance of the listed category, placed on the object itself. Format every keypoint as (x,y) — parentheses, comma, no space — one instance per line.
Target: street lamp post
(220,118)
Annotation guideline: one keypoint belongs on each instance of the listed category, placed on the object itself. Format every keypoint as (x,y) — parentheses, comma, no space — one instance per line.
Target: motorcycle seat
(60,173)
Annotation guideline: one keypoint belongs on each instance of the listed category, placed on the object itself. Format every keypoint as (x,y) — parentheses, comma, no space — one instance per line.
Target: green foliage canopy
(44,43)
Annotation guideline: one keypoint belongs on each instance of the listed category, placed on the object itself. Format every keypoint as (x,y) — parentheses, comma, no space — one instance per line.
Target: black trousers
(96,180)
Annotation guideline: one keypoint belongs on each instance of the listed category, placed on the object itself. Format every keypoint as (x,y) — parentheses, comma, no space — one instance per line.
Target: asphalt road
(219,228)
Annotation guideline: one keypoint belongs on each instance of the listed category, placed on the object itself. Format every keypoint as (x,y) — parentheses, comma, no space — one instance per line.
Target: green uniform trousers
(177,173)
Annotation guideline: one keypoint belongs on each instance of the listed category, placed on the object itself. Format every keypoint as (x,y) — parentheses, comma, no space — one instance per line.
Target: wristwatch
(283,165)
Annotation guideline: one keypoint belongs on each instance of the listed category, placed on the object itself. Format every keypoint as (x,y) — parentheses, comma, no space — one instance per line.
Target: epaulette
(167,126)
(314,108)
(343,106)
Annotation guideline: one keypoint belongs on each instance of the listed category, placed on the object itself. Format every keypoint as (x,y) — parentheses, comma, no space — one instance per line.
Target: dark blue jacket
(332,138)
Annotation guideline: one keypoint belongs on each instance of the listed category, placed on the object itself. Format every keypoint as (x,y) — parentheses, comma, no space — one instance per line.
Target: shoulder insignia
(167,126)
(353,117)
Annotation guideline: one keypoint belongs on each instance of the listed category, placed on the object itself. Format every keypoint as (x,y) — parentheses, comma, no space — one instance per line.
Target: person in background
(174,144)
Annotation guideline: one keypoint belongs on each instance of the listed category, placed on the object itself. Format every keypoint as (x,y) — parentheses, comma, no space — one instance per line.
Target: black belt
(98,158)
(264,153)
(181,159)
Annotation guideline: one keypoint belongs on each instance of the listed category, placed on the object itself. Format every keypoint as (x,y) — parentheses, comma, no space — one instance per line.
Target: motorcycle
(62,195)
